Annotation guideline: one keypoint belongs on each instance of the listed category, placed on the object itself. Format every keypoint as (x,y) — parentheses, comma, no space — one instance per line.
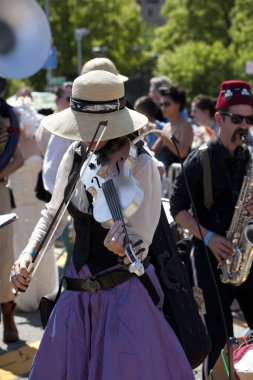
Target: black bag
(180,307)
(47,303)
(41,193)
(184,247)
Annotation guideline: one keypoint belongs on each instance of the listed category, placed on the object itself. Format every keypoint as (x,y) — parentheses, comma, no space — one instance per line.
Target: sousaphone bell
(25,38)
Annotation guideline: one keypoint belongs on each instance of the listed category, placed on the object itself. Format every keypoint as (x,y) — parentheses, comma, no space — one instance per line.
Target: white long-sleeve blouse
(141,225)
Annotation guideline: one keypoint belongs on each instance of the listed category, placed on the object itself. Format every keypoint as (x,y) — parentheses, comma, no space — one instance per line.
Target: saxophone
(235,270)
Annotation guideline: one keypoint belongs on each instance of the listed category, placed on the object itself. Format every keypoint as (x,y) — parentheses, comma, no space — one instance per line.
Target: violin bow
(140,137)
(66,200)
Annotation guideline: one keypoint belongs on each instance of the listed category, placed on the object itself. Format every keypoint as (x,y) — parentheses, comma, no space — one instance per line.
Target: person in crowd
(147,107)
(228,158)
(28,206)
(55,150)
(102,63)
(172,103)
(24,93)
(57,146)
(202,113)
(154,85)
(203,121)
(105,323)
(10,160)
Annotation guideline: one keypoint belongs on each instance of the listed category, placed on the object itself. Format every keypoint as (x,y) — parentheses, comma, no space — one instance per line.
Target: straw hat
(102,63)
(96,96)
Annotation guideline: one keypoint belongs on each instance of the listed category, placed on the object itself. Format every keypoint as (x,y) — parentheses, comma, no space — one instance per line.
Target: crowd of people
(116,331)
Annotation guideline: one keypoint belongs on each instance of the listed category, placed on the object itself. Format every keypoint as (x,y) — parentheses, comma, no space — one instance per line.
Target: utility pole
(49,71)
(79,34)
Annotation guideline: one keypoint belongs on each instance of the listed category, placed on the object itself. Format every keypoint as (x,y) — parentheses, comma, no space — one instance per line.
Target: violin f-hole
(98,183)
(117,164)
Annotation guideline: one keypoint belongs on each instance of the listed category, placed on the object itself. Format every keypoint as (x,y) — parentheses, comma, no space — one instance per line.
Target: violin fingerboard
(113,204)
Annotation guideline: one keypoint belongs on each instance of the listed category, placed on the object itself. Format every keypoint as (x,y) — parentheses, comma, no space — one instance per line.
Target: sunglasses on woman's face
(237,119)
(165,104)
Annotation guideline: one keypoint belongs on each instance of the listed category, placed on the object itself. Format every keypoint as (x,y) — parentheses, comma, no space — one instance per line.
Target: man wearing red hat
(215,175)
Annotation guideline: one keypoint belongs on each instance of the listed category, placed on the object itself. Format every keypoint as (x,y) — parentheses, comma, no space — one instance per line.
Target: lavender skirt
(117,334)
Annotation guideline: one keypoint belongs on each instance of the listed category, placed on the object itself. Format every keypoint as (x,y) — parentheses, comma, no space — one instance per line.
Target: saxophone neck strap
(207,176)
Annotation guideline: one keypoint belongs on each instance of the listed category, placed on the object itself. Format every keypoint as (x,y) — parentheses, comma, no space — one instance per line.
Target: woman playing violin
(105,324)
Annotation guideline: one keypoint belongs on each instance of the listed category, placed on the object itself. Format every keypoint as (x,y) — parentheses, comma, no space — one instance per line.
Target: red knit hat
(234,92)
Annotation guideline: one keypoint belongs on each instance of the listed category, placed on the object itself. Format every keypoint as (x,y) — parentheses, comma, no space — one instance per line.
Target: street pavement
(16,358)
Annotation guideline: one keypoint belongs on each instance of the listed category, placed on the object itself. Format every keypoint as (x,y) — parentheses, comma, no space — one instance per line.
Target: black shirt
(227,176)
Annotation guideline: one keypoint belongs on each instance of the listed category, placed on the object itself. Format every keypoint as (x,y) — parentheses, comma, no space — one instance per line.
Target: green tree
(117,25)
(193,20)
(203,43)
(241,31)
(199,67)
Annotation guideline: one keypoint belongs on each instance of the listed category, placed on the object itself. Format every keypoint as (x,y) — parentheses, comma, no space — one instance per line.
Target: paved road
(16,358)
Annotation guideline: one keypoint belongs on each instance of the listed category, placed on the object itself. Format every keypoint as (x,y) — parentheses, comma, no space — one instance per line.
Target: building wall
(150,10)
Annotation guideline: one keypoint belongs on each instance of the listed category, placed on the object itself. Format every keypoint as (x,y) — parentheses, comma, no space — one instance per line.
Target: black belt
(103,282)
(111,279)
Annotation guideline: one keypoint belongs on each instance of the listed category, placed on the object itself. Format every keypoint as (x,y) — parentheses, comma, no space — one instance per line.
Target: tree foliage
(116,25)
(200,44)
(193,20)
(241,30)
(204,43)
(198,67)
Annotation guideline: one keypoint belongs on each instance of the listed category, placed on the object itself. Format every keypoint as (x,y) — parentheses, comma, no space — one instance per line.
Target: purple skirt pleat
(117,334)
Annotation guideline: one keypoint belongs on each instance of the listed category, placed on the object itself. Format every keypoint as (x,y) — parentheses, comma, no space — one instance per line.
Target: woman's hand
(114,242)
(20,277)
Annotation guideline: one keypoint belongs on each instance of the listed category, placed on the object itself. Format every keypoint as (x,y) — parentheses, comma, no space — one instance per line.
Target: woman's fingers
(114,240)
(19,276)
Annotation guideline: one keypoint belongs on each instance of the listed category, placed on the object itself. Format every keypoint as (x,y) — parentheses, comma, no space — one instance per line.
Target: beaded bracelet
(31,251)
(208,237)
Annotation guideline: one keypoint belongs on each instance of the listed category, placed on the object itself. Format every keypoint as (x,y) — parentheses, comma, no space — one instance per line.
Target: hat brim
(81,126)
(122,77)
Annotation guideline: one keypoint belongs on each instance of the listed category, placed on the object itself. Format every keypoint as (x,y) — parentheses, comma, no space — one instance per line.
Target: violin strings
(111,200)
(113,203)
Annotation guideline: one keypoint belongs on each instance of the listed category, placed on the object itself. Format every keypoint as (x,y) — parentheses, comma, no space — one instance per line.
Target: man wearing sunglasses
(222,176)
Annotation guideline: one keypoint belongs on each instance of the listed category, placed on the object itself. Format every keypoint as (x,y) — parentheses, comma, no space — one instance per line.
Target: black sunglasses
(237,119)
(165,104)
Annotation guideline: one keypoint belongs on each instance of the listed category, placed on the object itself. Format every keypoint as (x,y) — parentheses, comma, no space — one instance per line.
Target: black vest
(89,242)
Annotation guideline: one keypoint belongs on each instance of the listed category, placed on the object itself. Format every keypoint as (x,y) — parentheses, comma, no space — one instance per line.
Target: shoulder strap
(207,175)
(77,160)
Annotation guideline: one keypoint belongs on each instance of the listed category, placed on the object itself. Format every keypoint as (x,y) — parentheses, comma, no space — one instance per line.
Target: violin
(116,194)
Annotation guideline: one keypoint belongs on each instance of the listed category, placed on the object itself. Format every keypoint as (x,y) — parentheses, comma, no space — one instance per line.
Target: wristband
(31,251)
(208,237)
